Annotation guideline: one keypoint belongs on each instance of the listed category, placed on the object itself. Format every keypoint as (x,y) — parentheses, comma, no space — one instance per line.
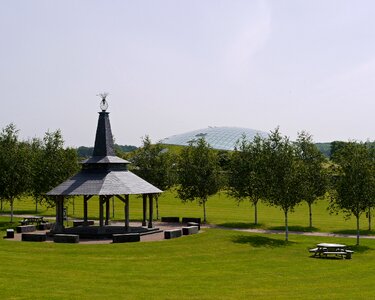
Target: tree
(15,171)
(198,173)
(52,165)
(246,177)
(354,182)
(284,173)
(154,164)
(314,182)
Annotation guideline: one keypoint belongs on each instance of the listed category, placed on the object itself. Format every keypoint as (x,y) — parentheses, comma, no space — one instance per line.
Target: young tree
(154,164)
(52,165)
(246,176)
(198,173)
(314,179)
(284,173)
(354,183)
(15,170)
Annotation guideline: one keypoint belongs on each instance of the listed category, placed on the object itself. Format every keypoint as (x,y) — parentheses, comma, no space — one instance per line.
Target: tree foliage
(246,175)
(154,163)
(354,183)
(284,174)
(52,165)
(15,170)
(198,173)
(314,179)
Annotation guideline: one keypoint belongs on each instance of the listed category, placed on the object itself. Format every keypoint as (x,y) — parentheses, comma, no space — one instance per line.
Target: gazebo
(106,175)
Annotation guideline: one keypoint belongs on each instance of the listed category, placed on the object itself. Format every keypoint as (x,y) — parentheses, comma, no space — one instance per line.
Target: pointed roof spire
(104,145)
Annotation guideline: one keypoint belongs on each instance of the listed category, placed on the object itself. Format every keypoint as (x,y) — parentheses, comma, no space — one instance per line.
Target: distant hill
(84,152)
(325,148)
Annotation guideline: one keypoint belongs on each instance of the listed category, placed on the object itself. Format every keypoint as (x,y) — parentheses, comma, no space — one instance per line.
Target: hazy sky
(175,66)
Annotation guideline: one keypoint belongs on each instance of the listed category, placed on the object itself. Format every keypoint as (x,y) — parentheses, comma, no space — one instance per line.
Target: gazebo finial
(103,103)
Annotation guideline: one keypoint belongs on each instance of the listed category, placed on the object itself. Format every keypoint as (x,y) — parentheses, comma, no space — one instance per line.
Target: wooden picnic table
(32,220)
(326,249)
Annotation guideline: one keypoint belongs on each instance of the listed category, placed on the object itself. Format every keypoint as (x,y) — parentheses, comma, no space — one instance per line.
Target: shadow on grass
(354,232)
(260,241)
(360,249)
(295,228)
(241,225)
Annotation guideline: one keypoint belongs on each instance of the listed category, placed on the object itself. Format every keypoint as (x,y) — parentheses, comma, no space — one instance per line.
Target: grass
(216,264)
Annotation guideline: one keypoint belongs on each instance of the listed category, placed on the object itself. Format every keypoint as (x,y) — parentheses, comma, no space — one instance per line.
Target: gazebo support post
(85,199)
(144,210)
(127,227)
(59,226)
(101,211)
(107,211)
(151,206)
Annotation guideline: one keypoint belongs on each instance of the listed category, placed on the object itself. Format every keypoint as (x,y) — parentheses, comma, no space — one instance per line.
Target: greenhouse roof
(221,138)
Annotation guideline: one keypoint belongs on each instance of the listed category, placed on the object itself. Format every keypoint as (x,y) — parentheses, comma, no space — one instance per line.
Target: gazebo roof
(104,173)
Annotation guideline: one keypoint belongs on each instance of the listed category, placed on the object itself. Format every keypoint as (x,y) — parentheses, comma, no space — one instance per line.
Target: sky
(172,66)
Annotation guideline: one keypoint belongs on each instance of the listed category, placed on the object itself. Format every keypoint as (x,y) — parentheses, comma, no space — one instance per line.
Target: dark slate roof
(105,160)
(104,182)
(104,145)
(104,173)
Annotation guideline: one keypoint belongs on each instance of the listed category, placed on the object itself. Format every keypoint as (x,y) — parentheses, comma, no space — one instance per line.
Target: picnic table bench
(326,249)
(32,220)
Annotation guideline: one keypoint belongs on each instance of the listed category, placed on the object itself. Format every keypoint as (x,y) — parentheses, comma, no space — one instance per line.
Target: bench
(44,226)
(25,228)
(336,253)
(66,238)
(195,220)
(170,219)
(172,233)
(77,223)
(189,230)
(126,238)
(194,224)
(34,237)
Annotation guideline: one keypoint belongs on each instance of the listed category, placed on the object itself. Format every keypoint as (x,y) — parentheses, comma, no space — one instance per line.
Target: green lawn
(215,264)
(220,210)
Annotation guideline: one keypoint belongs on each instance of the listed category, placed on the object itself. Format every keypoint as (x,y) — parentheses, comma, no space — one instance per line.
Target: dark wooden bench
(34,237)
(66,238)
(77,223)
(172,233)
(25,228)
(189,230)
(44,226)
(170,219)
(126,238)
(195,220)
(194,224)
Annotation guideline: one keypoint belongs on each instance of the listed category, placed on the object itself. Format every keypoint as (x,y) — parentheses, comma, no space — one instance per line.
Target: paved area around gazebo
(158,236)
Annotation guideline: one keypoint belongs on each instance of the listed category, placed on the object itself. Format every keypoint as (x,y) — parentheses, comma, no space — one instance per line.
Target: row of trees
(273,170)
(32,168)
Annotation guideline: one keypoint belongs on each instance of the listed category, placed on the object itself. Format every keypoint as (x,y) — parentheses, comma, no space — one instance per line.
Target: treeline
(85,152)
(273,170)
(32,168)
(329,149)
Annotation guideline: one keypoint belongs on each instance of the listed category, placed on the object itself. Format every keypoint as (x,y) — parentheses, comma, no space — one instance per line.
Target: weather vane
(103,103)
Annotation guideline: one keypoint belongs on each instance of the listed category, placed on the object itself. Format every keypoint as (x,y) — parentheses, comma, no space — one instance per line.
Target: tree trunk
(1,201)
(286,225)
(310,216)
(204,211)
(113,207)
(256,212)
(369,218)
(11,209)
(357,229)
(73,207)
(36,206)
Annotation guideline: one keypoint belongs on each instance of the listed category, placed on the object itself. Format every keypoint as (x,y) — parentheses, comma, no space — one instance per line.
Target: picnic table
(32,220)
(326,249)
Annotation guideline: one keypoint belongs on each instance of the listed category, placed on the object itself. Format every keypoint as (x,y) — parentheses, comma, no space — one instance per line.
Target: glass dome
(221,138)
